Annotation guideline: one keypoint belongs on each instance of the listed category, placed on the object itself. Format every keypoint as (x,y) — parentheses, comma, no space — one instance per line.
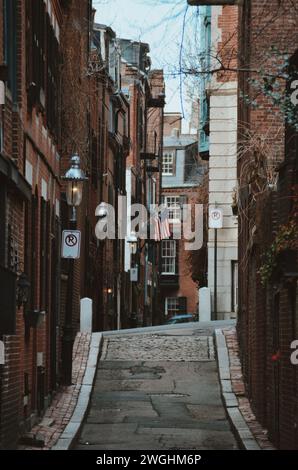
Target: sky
(160,23)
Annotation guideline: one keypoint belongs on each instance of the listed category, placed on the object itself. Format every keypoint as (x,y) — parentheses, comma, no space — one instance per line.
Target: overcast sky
(160,24)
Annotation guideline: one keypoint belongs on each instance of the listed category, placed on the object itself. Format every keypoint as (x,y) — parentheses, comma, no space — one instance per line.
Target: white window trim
(172,154)
(173,257)
(167,305)
(168,197)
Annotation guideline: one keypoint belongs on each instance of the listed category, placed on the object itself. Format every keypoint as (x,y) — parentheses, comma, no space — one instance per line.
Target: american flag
(156,222)
(165,231)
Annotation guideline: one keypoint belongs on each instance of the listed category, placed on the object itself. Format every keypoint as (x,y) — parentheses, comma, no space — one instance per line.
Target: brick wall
(27,139)
(187,287)
(172,121)
(267,314)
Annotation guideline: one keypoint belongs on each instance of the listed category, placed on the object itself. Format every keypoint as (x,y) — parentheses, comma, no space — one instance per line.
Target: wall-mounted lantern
(133,241)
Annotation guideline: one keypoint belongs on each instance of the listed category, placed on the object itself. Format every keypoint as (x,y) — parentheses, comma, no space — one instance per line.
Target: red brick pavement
(238,387)
(62,407)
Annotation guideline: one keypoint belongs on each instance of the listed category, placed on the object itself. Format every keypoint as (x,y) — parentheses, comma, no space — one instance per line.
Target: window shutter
(183,200)
(3,205)
(177,258)
(7,302)
(174,162)
(182,305)
(43,253)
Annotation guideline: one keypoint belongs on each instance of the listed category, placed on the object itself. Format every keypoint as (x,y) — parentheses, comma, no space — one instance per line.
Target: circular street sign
(71,240)
(215,215)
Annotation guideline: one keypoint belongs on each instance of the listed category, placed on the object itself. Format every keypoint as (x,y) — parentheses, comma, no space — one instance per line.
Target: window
(175,306)
(112,118)
(172,306)
(52,71)
(205,80)
(173,203)
(42,63)
(10,45)
(168,254)
(3,205)
(168,164)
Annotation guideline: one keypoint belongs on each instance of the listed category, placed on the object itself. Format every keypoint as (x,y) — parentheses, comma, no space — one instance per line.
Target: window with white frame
(173,204)
(172,306)
(168,255)
(168,164)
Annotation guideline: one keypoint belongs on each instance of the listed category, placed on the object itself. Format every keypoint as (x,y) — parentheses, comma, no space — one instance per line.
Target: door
(276,370)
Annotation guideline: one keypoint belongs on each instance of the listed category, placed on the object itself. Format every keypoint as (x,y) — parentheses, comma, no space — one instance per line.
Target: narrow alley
(148,229)
(157,390)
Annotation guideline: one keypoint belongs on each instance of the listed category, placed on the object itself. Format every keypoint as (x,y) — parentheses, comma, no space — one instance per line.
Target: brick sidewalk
(238,387)
(62,407)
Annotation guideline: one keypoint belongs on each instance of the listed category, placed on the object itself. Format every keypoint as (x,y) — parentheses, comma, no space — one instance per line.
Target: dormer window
(168,164)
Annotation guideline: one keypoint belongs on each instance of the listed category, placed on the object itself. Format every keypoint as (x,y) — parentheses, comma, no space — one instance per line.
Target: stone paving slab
(157,391)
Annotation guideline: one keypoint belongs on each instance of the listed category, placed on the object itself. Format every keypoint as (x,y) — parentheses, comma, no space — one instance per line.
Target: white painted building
(218,142)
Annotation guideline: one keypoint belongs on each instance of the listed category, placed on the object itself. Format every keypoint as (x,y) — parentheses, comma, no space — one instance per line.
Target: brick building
(60,95)
(29,210)
(267,174)
(55,102)
(109,163)
(218,92)
(265,57)
(182,174)
(145,91)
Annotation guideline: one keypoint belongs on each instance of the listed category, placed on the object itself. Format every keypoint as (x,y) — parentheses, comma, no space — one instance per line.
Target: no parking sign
(215,218)
(71,244)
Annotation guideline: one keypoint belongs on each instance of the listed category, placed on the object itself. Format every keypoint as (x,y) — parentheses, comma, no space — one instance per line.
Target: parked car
(187,317)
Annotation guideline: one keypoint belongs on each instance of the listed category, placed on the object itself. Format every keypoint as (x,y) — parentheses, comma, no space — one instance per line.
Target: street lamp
(75,178)
(133,242)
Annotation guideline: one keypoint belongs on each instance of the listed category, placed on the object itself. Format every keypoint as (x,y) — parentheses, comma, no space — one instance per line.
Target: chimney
(176,132)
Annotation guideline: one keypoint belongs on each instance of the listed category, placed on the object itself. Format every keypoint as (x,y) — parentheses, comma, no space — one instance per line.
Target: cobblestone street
(157,390)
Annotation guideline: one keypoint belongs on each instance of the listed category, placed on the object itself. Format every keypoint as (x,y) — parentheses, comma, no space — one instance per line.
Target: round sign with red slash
(71,243)
(71,240)
(215,218)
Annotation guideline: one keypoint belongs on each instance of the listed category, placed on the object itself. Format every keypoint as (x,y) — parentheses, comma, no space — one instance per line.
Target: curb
(240,428)
(68,437)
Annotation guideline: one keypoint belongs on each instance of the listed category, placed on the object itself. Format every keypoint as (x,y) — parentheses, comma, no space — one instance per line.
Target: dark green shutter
(7,302)
(177,258)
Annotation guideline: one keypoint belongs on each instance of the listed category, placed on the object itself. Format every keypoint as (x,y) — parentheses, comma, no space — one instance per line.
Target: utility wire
(180,61)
